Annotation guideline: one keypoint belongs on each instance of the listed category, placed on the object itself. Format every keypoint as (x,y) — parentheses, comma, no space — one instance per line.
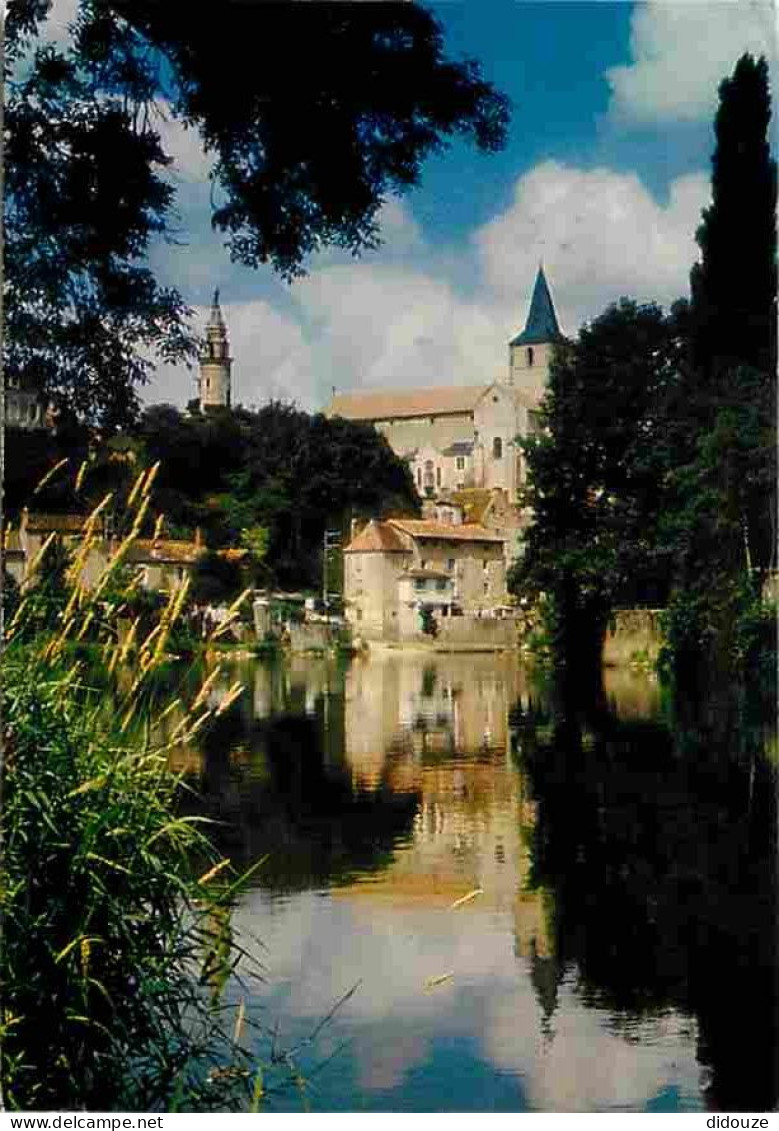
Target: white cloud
(400,317)
(600,234)
(190,163)
(56,27)
(378,324)
(315,948)
(681,50)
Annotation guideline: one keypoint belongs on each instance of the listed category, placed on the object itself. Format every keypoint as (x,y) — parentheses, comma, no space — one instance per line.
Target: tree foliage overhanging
(314,113)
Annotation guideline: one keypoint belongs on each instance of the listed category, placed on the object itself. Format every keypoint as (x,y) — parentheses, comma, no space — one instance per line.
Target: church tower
(531,351)
(215,362)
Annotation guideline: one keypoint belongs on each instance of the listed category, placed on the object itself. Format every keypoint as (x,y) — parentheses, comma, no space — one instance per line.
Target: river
(531,914)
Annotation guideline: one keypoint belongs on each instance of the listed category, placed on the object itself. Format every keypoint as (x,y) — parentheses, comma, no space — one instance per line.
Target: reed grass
(115,953)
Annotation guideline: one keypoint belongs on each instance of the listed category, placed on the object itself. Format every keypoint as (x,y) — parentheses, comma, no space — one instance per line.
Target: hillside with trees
(270,481)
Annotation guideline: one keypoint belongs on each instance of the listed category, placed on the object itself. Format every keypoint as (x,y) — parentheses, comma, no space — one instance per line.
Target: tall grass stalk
(115,951)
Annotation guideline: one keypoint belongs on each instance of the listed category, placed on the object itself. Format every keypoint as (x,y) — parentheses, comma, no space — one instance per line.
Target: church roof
(383,405)
(541,325)
(215,318)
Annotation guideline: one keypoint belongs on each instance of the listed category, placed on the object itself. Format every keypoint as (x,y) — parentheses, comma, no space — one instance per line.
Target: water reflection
(660,846)
(542,913)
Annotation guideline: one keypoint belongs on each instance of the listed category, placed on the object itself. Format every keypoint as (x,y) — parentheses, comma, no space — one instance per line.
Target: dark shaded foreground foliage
(116,951)
(348,103)
(103,940)
(657,844)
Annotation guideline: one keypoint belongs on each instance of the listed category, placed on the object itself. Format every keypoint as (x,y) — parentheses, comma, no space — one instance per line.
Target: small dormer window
(530,357)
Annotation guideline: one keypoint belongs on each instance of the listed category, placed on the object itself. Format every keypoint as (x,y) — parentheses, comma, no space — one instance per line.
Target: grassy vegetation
(117,943)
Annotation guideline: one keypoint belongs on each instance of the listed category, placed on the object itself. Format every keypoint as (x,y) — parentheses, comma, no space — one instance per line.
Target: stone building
(456,437)
(482,507)
(162,563)
(395,570)
(214,387)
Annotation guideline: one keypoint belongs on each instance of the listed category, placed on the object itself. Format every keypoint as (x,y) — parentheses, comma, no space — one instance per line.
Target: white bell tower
(215,362)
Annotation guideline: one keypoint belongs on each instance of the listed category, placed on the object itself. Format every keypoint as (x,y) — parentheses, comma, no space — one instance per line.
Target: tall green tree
(597,473)
(315,113)
(734,311)
(734,284)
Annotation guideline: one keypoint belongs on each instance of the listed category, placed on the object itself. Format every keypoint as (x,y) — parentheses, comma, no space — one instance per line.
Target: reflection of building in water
(440,727)
(449,705)
(296,686)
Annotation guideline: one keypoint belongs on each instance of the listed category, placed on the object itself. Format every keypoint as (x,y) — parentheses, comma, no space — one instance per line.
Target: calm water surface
(536,915)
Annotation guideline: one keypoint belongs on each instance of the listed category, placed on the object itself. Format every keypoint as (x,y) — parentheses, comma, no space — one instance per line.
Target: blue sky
(604,176)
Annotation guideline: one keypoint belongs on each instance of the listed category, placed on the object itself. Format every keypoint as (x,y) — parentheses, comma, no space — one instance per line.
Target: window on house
(497,448)
(419,477)
(420,583)
(423,563)
(440,584)
(460,463)
(450,564)
(530,357)
(438,477)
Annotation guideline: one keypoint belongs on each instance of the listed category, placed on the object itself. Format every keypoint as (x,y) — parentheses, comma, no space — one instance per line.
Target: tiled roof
(61,523)
(376,538)
(541,325)
(147,550)
(384,405)
(443,532)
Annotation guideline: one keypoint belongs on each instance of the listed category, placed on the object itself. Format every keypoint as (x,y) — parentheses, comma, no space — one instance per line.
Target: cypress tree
(734,310)
(734,285)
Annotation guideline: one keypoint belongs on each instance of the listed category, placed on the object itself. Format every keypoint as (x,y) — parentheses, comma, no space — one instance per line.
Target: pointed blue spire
(541,325)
